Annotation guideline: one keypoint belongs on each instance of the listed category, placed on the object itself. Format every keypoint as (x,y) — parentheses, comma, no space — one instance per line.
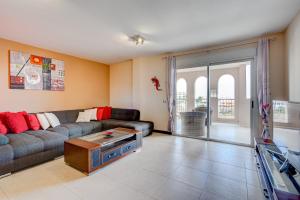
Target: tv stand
(279,179)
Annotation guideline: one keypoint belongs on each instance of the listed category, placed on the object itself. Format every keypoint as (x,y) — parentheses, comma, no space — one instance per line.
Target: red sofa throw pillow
(100,113)
(16,122)
(32,122)
(107,111)
(3,116)
(104,113)
(3,129)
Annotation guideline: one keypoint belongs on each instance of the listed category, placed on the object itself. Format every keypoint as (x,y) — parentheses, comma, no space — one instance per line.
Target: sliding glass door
(214,102)
(191,102)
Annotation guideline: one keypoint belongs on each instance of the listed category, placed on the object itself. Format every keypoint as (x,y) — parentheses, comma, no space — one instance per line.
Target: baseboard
(163,132)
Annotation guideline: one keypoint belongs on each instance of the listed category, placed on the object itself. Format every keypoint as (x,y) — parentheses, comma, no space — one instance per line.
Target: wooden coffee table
(97,150)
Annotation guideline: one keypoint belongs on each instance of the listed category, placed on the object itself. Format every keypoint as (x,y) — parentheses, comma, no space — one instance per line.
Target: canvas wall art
(33,72)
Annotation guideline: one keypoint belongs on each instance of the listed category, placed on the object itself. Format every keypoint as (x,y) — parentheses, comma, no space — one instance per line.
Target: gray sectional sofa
(35,147)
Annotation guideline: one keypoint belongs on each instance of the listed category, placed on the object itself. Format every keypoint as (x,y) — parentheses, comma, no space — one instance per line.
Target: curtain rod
(219,48)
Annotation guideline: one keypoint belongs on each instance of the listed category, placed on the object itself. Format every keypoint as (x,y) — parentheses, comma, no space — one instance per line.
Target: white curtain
(263,90)
(171,91)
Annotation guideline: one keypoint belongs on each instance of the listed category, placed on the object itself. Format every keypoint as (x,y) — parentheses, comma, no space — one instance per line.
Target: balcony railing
(226,108)
(181,102)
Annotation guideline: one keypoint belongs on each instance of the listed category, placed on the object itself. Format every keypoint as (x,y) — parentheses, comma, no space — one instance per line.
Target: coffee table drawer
(110,155)
(129,147)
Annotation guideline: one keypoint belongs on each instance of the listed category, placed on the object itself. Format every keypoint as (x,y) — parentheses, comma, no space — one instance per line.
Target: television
(286,130)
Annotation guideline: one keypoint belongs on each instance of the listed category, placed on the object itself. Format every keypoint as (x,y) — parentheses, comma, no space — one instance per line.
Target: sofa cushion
(25,144)
(74,129)
(3,140)
(61,130)
(93,112)
(16,122)
(98,126)
(32,122)
(3,129)
(72,115)
(145,127)
(87,127)
(51,139)
(106,112)
(125,114)
(62,116)
(141,126)
(67,116)
(43,120)
(100,113)
(52,119)
(6,154)
(113,123)
(84,116)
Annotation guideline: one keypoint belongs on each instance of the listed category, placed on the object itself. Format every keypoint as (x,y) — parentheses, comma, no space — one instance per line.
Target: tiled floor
(167,168)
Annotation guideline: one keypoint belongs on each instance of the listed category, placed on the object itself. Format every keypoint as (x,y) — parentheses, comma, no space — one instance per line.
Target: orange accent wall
(86,83)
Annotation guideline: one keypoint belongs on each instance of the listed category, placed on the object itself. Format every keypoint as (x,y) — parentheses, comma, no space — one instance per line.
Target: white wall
(121,85)
(293,58)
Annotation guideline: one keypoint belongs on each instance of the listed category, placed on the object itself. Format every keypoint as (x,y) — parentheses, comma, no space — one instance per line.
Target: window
(226,97)
(248,81)
(201,91)
(181,103)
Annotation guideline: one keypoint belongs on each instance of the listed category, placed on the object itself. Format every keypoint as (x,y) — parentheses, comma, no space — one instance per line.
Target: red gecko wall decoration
(156,83)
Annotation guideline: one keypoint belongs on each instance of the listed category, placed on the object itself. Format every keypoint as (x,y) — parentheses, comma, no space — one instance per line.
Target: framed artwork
(31,72)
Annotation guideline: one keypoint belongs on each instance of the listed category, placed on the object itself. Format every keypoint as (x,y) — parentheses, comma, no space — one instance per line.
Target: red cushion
(3,129)
(100,113)
(107,112)
(3,116)
(16,122)
(32,122)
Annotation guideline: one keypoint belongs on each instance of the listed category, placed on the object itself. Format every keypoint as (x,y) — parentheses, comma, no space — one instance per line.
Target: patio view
(230,92)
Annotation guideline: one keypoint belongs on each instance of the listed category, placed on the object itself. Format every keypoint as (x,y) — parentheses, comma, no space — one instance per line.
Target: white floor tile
(174,190)
(167,168)
(191,177)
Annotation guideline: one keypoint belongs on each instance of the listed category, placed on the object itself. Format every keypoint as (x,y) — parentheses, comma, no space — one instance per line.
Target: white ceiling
(97,29)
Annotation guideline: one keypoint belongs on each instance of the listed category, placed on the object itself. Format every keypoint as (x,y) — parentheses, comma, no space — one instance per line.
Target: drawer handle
(266,194)
(112,154)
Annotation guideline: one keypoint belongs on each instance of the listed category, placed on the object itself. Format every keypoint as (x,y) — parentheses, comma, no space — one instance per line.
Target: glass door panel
(230,99)
(191,102)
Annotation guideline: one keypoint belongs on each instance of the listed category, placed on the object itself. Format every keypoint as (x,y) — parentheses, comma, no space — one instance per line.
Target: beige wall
(86,83)
(121,84)
(293,58)
(278,69)
(153,105)
(150,102)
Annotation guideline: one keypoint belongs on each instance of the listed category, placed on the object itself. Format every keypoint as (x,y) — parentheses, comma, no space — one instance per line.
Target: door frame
(253,103)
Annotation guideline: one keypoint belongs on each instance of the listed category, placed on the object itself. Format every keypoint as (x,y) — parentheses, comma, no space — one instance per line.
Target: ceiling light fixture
(137,39)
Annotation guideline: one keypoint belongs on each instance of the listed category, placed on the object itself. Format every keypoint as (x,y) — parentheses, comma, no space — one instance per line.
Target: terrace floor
(225,132)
